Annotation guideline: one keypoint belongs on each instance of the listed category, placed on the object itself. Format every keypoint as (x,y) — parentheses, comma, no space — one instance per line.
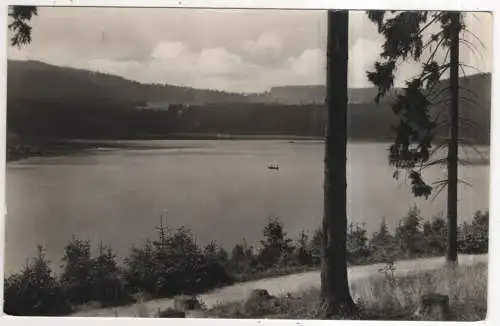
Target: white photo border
(493,315)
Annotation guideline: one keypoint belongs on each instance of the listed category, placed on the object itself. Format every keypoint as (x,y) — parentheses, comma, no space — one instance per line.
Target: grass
(384,297)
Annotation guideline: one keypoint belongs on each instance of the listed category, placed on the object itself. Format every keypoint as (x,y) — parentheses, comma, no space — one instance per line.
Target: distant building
(161,105)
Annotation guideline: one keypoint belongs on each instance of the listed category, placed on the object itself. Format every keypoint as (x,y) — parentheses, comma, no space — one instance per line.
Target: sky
(231,50)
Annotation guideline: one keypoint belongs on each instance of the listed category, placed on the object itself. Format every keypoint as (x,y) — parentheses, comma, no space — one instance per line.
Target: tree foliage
(158,267)
(407,36)
(276,246)
(35,291)
(357,243)
(77,271)
(475,234)
(382,244)
(435,234)
(409,234)
(20,24)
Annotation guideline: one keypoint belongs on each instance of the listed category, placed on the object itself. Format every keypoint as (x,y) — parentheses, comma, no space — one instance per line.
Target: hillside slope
(57,102)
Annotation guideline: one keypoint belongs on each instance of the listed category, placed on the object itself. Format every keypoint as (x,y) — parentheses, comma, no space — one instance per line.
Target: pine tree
(21,29)
(335,296)
(77,271)
(409,233)
(382,244)
(276,244)
(303,251)
(417,107)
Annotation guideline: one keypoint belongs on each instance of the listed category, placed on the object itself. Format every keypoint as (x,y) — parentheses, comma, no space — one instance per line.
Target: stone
(260,301)
(187,303)
(260,294)
(171,313)
(434,306)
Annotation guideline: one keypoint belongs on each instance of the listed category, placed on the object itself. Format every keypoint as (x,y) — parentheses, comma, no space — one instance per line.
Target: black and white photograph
(247,163)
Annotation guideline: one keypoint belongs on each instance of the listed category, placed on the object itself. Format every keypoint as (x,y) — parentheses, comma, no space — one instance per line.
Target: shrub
(242,258)
(276,247)
(77,272)
(216,264)
(87,279)
(474,238)
(316,245)
(435,235)
(106,280)
(140,271)
(303,253)
(409,234)
(35,291)
(383,245)
(174,264)
(357,244)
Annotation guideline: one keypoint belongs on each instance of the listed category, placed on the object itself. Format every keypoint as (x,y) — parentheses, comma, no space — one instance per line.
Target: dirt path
(277,286)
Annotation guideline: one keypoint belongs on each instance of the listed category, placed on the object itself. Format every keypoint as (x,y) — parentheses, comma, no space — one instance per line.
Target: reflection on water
(223,190)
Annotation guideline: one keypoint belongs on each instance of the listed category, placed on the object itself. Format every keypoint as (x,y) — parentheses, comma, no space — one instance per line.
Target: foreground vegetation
(175,264)
(380,298)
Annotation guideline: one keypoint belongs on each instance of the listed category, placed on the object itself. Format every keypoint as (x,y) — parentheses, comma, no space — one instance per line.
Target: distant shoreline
(26,148)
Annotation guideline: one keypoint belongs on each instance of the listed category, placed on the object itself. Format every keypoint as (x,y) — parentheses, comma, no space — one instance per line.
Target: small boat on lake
(273,167)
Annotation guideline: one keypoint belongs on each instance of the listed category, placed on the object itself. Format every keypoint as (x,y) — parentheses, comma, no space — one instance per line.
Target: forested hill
(36,80)
(49,101)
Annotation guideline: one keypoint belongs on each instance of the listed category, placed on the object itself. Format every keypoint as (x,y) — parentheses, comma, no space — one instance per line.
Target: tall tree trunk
(451,255)
(335,294)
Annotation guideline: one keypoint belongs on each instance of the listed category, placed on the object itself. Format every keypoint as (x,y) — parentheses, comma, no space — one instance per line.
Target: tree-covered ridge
(82,104)
(27,79)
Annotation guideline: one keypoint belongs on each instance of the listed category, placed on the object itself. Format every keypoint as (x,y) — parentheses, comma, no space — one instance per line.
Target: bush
(409,234)
(357,244)
(35,291)
(77,272)
(106,280)
(140,271)
(474,238)
(276,247)
(174,264)
(435,233)
(303,253)
(88,279)
(383,246)
(316,245)
(242,259)
(215,264)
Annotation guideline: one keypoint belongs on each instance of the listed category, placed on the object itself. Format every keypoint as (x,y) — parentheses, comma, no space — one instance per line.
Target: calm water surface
(222,190)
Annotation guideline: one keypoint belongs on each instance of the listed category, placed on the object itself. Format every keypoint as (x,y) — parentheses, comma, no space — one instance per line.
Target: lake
(222,190)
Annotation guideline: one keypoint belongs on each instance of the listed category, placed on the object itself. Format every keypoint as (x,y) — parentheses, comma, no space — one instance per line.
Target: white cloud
(173,62)
(362,57)
(169,50)
(309,63)
(239,55)
(218,61)
(267,46)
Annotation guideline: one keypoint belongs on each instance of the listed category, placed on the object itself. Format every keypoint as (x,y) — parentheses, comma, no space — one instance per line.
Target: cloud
(362,57)
(169,50)
(266,49)
(219,61)
(241,50)
(310,64)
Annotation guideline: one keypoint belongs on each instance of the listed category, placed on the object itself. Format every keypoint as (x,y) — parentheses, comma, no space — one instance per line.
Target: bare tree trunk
(451,255)
(335,294)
